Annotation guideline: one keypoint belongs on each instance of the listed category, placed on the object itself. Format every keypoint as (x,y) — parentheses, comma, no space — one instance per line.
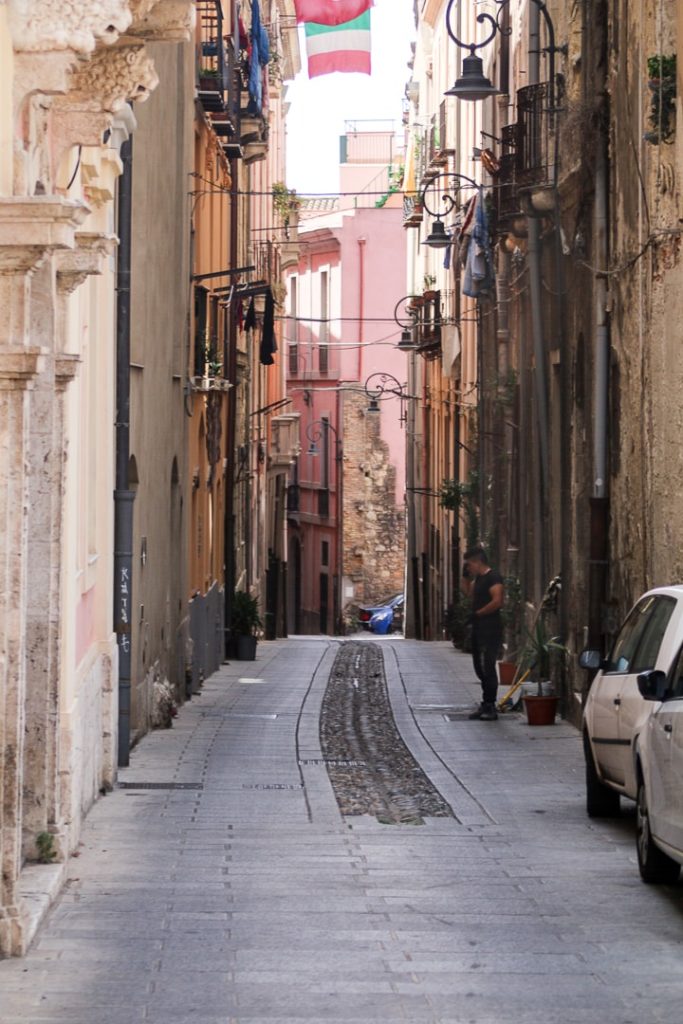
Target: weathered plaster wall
(647,303)
(162,160)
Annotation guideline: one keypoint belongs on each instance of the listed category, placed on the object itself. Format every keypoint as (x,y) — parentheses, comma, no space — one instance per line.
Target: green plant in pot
(245,623)
(545,655)
(511,614)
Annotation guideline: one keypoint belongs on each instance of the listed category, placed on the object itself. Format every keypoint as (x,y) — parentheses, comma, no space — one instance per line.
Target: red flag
(330,12)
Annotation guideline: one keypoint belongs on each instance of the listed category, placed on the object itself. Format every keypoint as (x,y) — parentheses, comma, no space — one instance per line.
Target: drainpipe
(230,441)
(540,377)
(598,564)
(361,304)
(123,496)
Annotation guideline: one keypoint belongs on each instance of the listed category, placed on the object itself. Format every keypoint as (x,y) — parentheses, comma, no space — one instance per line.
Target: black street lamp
(437,238)
(473,84)
(406,316)
(380,386)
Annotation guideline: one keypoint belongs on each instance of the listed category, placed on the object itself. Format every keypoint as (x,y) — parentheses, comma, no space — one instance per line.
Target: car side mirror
(652,684)
(590,659)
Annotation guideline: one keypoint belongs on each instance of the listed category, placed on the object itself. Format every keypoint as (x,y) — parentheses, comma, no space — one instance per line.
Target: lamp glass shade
(406,344)
(437,238)
(473,84)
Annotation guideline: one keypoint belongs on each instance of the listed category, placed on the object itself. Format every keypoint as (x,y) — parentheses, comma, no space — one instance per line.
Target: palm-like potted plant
(544,654)
(245,623)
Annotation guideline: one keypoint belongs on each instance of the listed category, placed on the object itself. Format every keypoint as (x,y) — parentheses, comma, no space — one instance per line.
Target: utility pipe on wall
(540,375)
(123,496)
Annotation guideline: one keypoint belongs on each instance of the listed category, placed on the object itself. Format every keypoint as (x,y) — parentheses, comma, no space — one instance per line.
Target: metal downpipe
(123,496)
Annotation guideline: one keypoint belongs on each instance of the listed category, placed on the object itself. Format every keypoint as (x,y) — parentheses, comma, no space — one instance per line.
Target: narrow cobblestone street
(220,884)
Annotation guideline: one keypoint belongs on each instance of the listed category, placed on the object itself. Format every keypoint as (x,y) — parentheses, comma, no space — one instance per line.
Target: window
(293,327)
(675,687)
(648,648)
(641,636)
(324,334)
(325,553)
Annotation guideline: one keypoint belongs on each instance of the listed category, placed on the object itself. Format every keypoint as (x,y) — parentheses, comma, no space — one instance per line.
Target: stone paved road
(248,899)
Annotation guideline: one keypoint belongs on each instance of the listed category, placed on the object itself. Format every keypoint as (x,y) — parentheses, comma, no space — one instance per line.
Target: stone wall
(374,525)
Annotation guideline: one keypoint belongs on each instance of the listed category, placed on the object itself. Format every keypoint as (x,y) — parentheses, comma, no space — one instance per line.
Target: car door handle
(617,701)
(668,727)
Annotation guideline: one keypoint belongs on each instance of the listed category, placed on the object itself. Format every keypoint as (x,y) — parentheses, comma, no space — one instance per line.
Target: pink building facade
(347,489)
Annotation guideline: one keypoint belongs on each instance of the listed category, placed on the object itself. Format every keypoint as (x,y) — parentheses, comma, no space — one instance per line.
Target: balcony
(507,204)
(535,137)
(413,211)
(427,311)
(212,58)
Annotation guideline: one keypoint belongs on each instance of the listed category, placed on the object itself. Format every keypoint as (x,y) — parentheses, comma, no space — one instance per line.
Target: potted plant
(244,624)
(543,653)
(511,614)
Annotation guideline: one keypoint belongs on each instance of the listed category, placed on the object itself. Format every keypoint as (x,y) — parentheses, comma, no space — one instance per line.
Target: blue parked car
(385,617)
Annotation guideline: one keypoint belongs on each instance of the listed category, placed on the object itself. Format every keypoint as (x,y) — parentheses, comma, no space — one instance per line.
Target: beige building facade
(67,75)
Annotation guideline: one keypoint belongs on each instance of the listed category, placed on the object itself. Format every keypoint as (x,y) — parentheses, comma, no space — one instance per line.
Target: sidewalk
(220,885)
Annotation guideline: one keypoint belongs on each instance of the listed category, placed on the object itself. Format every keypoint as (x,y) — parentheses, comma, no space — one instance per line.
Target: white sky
(320,106)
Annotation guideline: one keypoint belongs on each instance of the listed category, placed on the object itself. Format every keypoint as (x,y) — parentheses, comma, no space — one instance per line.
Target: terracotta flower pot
(506,672)
(540,710)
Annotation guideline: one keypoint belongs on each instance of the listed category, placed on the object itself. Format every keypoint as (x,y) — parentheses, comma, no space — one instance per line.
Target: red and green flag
(330,12)
(344,47)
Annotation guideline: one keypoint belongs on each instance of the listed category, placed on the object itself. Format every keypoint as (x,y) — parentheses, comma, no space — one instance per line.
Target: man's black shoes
(485,713)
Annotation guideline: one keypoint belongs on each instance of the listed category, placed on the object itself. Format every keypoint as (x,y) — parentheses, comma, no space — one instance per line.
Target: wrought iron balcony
(535,136)
(212,61)
(507,203)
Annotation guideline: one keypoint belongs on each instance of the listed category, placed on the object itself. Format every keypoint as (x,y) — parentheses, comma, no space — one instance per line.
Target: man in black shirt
(485,586)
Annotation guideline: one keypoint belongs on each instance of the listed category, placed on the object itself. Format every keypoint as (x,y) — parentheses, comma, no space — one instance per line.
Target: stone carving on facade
(75,265)
(41,25)
(99,88)
(169,20)
(111,78)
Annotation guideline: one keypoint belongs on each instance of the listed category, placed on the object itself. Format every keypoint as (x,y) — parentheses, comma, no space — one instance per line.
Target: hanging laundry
(260,55)
(268,342)
(479,277)
(250,319)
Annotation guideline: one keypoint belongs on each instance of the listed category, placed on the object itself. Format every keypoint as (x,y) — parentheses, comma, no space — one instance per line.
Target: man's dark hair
(477,553)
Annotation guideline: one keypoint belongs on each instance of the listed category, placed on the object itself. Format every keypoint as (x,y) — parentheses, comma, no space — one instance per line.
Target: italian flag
(330,12)
(344,47)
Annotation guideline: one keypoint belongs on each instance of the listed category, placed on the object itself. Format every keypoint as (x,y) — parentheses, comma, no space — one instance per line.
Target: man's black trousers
(485,651)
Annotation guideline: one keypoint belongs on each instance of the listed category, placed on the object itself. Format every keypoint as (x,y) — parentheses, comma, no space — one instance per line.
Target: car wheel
(654,864)
(601,801)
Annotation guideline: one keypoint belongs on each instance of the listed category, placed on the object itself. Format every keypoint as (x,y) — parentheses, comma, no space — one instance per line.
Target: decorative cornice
(31,227)
(18,367)
(74,266)
(67,365)
(163,20)
(67,25)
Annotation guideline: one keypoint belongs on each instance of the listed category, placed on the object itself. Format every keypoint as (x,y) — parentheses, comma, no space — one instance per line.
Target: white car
(659,769)
(616,713)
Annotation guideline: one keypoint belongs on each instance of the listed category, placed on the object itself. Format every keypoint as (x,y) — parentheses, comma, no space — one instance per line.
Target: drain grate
(160,785)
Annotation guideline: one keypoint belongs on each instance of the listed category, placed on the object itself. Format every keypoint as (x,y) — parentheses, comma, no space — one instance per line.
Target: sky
(320,106)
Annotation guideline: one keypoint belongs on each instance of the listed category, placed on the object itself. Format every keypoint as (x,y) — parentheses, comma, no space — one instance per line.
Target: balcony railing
(212,59)
(535,136)
(507,203)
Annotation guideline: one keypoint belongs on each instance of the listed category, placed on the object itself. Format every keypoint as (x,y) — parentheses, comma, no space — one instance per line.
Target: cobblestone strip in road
(371,769)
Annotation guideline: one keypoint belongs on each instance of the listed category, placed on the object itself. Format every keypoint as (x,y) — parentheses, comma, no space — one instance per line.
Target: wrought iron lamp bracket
(448,201)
